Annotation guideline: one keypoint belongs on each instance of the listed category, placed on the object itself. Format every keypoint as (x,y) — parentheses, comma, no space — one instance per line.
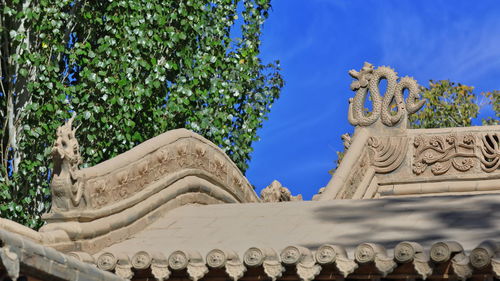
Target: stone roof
(359,229)
(20,255)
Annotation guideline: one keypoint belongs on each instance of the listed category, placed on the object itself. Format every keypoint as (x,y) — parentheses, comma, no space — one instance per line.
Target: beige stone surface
(385,159)
(237,227)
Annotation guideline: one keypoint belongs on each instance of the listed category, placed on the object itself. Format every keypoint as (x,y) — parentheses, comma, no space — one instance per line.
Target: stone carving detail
(10,261)
(307,271)
(160,271)
(106,261)
(216,258)
(124,270)
(495,265)
(178,260)
(273,269)
(253,257)
(368,252)
(443,152)
(345,265)
(413,252)
(346,140)
(141,260)
(387,153)
(326,254)
(490,160)
(461,267)
(367,81)
(235,269)
(196,270)
(290,255)
(356,176)
(482,255)
(77,188)
(275,192)
(159,267)
(66,184)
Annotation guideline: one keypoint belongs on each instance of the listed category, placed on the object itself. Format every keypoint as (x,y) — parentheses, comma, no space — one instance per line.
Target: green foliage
(147,66)
(494,101)
(448,104)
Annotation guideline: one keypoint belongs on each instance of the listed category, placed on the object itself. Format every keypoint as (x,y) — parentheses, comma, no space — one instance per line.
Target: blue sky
(318,41)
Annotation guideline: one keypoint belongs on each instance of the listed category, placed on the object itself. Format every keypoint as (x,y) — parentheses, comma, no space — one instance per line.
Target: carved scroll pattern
(166,160)
(490,151)
(387,153)
(462,152)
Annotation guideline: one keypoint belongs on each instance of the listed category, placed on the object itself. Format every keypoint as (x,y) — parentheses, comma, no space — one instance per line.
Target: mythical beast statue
(67,186)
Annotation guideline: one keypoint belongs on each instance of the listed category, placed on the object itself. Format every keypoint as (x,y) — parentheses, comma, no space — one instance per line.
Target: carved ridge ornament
(367,82)
(460,152)
(387,153)
(75,188)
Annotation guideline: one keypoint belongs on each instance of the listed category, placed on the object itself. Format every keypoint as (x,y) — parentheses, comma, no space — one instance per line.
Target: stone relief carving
(460,152)
(387,153)
(490,150)
(75,188)
(235,269)
(406,252)
(356,176)
(368,252)
(443,152)
(275,192)
(367,81)
(66,184)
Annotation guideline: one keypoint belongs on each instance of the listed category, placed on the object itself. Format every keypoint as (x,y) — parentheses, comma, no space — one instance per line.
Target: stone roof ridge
(173,169)
(384,158)
(309,264)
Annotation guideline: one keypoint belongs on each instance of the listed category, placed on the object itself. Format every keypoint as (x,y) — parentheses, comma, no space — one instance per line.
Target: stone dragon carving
(367,81)
(67,186)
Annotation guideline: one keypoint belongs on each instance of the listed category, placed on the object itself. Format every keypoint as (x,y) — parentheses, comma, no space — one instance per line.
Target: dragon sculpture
(367,81)
(67,186)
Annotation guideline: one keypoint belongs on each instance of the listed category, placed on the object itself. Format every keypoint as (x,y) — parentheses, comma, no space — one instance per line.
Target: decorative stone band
(312,264)
(458,152)
(416,162)
(143,171)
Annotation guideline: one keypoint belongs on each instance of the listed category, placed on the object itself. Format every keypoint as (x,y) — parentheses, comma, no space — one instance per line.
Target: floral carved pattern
(440,153)
(134,177)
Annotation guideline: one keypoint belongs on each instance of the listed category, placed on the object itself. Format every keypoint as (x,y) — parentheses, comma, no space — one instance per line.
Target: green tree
(450,104)
(131,69)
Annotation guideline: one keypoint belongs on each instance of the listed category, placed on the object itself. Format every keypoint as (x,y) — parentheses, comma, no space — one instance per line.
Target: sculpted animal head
(66,149)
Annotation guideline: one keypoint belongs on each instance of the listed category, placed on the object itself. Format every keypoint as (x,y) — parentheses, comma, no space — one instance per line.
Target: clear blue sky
(318,41)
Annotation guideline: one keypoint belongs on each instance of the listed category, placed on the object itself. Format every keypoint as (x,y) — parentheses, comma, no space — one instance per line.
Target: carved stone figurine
(66,184)
(275,192)
(367,81)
